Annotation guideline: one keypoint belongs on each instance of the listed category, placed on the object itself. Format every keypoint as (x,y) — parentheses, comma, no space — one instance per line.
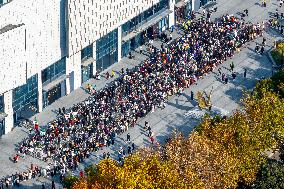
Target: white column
(68,85)
(196,5)
(172,15)
(69,68)
(39,88)
(63,88)
(8,109)
(95,57)
(119,30)
(73,72)
(76,58)
(192,5)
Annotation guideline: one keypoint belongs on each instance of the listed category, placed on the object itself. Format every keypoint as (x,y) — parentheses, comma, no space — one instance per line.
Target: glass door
(54,94)
(125,48)
(2,127)
(87,72)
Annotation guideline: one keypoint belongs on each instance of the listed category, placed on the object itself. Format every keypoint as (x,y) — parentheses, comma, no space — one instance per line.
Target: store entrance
(150,33)
(2,127)
(52,95)
(87,72)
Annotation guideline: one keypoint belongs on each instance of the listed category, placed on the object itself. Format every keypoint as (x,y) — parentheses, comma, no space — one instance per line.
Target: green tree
(69,181)
(270,175)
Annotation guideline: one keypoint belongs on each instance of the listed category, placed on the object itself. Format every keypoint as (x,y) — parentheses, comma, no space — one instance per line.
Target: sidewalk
(80,94)
(174,116)
(9,142)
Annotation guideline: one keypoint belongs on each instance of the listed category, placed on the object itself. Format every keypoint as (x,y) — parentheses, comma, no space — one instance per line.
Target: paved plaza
(180,113)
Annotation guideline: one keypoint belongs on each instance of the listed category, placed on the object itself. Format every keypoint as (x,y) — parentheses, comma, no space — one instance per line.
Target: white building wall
(172,15)
(42,23)
(90,20)
(8,108)
(95,57)
(12,59)
(119,43)
(73,70)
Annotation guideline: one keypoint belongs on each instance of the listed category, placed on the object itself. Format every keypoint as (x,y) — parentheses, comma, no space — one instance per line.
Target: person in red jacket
(81,174)
(36,127)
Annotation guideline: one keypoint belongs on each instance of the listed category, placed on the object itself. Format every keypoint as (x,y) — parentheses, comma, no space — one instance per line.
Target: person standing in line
(262,50)
(107,75)
(146,125)
(245,73)
(52,184)
(112,73)
(220,71)
(89,87)
(191,95)
(232,66)
(263,3)
(104,155)
(223,77)
(234,75)
(129,149)
(141,49)
(152,139)
(226,79)
(128,137)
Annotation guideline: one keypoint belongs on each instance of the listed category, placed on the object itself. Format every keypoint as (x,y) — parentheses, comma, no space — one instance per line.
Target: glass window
(106,53)
(26,94)
(2,127)
(1,103)
(53,71)
(87,52)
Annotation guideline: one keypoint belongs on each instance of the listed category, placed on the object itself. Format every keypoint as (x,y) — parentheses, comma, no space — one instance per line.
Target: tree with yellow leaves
(219,153)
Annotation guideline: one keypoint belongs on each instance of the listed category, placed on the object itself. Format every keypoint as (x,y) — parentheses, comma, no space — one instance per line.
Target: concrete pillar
(73,72)
(172,15)
(119,30)
(69,68)
(76,59)
(8,109)
(63,88)
(68,85)
(196,5)
(192,5)
(39,96)
(95,57)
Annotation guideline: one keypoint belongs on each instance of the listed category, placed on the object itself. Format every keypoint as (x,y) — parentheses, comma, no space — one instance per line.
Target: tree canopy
(219,153)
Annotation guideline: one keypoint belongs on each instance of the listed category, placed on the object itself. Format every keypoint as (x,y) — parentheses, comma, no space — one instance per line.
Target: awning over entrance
(180,4)
(146,25)
(3,115)
(50,85)
(88,61)
(209,4)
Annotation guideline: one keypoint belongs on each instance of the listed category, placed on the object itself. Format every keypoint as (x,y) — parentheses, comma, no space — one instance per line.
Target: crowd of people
(33,173)
(90,125)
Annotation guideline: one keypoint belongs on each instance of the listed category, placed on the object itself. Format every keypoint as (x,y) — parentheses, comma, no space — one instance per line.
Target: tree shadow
(179,106)
(235,94)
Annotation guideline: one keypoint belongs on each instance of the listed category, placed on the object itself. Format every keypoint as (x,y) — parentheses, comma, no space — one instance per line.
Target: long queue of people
(95,123)
(33,173)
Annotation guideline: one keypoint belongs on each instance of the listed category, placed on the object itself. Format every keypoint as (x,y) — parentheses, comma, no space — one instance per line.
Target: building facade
(50,48)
